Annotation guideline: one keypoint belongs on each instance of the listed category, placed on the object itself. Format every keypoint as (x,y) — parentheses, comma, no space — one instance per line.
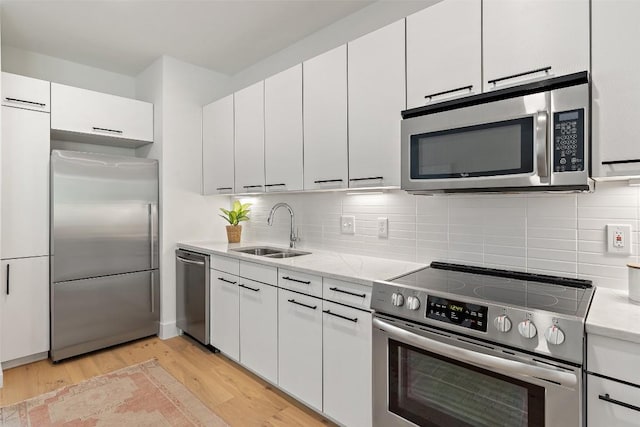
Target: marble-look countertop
(349,267)
(614,315)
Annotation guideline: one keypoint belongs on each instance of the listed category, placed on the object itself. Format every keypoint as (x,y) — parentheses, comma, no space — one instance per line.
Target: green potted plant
(237,214)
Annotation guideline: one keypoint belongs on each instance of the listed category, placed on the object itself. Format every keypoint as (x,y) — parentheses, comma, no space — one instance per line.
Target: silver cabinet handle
(188,261)
(24,101)
(249,287)
(542,145)
(222,279)
(458,89)
(478,359)
(324,181)
(97,129)
(607,398)
(351,319)
(8,271)
(369,178)
(312,307)
(513,76)
(336,289)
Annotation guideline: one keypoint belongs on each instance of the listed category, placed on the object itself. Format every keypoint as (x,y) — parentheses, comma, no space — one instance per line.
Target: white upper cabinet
(522,36)
(376,77)
(283,130)
(25,92)
(249,131)
(25,183)
(325,120)
(93,117)
(615,89)
(440,70)
(217,147)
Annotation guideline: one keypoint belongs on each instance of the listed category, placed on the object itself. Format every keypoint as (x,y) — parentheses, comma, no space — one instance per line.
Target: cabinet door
(448,69)
(376,79)
(24,305)
(249,144)
(25,183)
(283,130)
(259,328)
(615,87)
(25,92)
(300,346)
(347,364)
(520,36)
(225,314)
(79,113)
(606,400)
(325,120)
(217,147)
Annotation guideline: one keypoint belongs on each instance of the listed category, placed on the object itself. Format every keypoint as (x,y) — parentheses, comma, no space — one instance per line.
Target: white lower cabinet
(259,328)
(225,314)
(300,346)
(346,354)
(24,304)
(611,403)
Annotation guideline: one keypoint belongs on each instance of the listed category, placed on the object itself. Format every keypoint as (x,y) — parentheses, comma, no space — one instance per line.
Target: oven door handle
(494,363)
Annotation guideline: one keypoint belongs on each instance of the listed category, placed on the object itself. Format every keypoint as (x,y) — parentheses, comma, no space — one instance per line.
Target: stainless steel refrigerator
(104,251)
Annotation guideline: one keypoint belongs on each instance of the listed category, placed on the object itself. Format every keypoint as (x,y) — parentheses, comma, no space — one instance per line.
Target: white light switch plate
(348,224)
(619,239)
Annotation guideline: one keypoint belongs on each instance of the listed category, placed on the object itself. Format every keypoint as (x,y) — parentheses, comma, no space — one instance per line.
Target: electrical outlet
(348,224)
(619,239)
(383,227)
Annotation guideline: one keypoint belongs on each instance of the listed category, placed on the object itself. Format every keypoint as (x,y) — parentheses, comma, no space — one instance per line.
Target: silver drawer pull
(348,292)
(354,319)
(249,287)
(24,101)
(306,282)
(312,307)
(222,279)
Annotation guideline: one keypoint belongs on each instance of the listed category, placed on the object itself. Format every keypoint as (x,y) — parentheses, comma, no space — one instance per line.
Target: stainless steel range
(468,346)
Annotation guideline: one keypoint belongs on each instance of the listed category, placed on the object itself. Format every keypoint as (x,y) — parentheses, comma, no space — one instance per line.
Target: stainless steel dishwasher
(192,294)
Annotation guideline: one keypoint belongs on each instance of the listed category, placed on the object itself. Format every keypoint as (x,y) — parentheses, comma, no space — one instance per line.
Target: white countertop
(614,315)
(353,268)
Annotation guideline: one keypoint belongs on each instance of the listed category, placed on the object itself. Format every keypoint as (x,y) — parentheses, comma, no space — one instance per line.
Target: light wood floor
(236,395)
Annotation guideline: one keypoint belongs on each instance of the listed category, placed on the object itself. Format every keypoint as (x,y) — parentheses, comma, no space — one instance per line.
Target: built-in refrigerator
(104,251)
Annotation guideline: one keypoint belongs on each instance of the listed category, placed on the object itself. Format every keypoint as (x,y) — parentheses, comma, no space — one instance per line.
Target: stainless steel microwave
(530,137)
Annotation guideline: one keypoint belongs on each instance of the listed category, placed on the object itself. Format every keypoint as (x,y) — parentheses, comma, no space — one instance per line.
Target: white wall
(364,21)
(178,91)
(1,375)
(561,234)
(58,70)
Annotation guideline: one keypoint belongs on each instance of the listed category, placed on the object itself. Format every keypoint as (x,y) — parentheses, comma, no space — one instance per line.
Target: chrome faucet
(293,235)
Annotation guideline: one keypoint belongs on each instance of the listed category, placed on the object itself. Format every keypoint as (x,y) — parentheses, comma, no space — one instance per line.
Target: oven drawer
(613,358)
(611,403)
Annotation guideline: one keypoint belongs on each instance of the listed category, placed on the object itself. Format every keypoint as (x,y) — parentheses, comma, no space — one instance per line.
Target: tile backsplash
(563,234)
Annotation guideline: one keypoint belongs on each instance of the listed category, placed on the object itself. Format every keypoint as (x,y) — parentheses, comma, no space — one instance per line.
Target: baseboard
(1,379)
(168,330)
(24,360)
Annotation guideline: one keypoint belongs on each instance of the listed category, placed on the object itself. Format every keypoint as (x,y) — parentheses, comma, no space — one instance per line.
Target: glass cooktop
(550,293)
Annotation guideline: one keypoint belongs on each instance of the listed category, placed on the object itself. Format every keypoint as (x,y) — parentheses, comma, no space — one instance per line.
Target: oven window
(500,148)
(434,391)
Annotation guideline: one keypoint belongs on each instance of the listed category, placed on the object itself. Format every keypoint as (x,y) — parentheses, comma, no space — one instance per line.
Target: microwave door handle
(542,145)
(478,359)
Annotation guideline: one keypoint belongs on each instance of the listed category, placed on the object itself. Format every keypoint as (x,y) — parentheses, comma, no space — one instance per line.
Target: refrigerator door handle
(153,293)
(152,232)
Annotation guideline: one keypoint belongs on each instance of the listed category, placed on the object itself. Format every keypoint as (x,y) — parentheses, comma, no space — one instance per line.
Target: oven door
(499,144)
(430,378)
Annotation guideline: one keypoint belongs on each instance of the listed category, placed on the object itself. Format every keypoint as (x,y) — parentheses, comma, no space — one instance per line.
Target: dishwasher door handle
(189,261)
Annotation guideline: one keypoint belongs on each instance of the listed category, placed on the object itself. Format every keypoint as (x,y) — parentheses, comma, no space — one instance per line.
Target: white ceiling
(125,36)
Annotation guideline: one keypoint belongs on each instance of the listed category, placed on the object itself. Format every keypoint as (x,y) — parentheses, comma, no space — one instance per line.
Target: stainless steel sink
(270,252)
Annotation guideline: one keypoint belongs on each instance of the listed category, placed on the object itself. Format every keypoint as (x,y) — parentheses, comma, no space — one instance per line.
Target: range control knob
(554,335)
(413,303)
(502,323)
(527,329)
(397,299)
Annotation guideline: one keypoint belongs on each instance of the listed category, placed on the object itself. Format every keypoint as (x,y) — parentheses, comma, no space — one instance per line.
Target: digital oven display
(470,316)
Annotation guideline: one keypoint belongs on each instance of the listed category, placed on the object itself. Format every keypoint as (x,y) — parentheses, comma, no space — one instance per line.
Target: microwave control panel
(568,141)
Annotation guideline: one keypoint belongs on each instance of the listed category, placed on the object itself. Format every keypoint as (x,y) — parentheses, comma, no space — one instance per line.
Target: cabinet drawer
(226,264)
(300,282)
(611,403)
(25,92)
(613,358)
(346,293)
(259,272)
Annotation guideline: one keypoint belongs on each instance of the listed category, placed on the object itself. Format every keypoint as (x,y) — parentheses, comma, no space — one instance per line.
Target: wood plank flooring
(236,395)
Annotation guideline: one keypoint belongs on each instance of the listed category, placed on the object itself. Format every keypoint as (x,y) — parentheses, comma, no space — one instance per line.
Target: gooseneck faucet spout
(293,236)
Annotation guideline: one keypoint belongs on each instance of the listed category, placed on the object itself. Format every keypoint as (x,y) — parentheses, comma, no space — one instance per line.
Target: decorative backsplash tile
(561,234)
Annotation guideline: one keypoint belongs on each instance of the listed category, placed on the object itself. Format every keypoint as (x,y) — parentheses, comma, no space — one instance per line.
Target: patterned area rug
(139,395)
